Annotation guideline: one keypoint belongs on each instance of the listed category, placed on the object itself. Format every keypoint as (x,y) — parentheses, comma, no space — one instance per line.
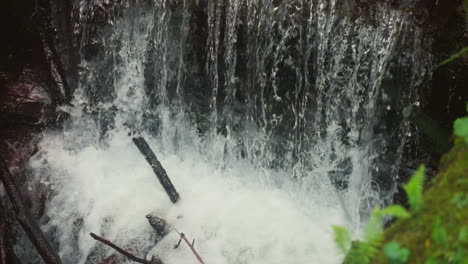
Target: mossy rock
(440,202)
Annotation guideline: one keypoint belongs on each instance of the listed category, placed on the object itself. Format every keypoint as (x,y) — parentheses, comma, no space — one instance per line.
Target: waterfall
(274,119)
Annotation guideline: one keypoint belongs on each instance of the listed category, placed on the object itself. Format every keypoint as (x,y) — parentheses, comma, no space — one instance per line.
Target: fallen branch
(191,246)
(122,251)
(24,217)
(157,167)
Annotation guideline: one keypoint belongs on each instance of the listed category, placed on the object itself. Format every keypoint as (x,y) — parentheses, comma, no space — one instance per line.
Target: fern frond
(373,226)
(342,238)
(414,189)
(396,211)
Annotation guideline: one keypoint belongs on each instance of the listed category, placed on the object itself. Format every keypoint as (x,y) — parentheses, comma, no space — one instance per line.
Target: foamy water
(235,214)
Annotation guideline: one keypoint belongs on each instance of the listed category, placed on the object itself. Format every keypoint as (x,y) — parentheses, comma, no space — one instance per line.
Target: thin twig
(182,237)
(120,250)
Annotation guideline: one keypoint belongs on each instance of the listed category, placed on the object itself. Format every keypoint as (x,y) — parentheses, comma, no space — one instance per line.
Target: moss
(416,233)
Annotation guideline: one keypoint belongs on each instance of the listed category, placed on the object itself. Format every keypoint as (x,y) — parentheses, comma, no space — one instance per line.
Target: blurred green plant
(342,238)
(443,245)
(460,127)
(439,234)
(362,252)
(396,254)
(414,189)
(460,200)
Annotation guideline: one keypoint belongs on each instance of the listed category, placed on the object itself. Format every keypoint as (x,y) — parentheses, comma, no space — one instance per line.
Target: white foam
(234,217)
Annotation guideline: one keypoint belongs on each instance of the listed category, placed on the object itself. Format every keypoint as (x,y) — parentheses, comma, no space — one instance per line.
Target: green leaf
(460,200)
(414,189)
(396,254)
(432,260)
(460,127)
(373,227)
(363,252)
(463,235)
(396,211)
(439,234)
(342,238)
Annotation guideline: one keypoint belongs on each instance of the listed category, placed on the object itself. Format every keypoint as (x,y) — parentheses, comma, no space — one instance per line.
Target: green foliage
(449,250)
(453,57)
(373,227)
(363,251)
(414,190)
(342,238)
(395,254)
(397,211)
(460,127)
(445,241)
(463,235)
(460,200)
(439,234)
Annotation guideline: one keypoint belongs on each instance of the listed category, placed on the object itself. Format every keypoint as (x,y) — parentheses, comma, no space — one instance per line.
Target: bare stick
(24,217)
(157,167)
(191,246)
(120,250)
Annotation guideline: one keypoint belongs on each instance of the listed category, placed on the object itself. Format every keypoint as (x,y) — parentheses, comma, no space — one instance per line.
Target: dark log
(157,167)
(3,235)
(122,251)
(25,218)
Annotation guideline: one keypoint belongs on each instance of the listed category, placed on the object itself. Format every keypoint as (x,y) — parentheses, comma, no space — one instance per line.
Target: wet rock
(24,102)
(159,225)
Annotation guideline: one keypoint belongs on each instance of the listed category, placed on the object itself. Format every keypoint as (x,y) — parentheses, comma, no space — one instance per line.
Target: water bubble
(417,103)
(389,107)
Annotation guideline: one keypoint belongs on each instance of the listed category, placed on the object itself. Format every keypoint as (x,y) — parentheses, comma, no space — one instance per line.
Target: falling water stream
(270,117)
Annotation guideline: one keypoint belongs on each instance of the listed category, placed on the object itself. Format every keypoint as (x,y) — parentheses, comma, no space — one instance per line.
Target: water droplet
(389,107)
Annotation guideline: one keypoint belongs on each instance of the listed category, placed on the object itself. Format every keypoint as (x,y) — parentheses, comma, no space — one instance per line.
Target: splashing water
(254,155)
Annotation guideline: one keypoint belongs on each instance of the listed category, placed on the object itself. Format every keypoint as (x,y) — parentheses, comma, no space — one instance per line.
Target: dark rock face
(443,98)
(30,82)
(32,87)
